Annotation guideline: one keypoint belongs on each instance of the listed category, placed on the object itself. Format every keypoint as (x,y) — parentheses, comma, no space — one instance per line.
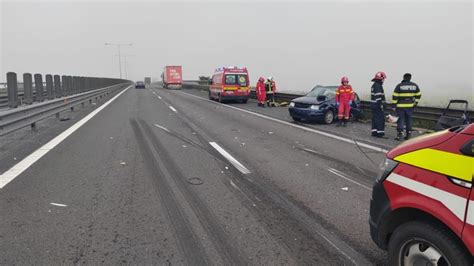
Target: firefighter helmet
(344,80)
(380,75)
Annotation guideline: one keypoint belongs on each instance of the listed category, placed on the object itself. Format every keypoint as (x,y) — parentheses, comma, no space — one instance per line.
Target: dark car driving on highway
(139,85)
(320,105)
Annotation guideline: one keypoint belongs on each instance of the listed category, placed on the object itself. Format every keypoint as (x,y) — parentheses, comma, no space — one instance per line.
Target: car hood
(308,100)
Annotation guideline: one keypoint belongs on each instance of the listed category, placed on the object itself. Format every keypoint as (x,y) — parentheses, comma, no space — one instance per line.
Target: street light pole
(125,61)
(119,45)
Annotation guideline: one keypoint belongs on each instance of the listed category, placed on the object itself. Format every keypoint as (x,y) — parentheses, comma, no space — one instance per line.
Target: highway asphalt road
(169,177)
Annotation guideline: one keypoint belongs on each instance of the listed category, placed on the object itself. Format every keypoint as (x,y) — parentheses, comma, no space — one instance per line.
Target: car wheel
(297,119)
(352,117)
(418,243)
(328,117)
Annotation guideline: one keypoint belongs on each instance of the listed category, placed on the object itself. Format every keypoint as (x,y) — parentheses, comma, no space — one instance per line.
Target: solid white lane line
(24,164)
(172,109)
(344,176)
(162,127)
(58,204)
(230,158)
(361,144)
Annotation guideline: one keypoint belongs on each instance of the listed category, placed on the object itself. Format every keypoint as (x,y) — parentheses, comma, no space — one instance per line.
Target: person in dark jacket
(377,105)
(405,96)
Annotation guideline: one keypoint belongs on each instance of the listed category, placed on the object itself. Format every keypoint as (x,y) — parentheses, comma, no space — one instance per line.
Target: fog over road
(301,44)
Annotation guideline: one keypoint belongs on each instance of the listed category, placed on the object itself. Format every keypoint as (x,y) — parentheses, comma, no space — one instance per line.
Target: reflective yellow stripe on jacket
(446,163)
(405,105)
(407,94)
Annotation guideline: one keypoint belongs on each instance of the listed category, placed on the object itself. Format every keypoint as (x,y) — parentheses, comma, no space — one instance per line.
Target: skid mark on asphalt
(188,243)
(369,174)
(163,163)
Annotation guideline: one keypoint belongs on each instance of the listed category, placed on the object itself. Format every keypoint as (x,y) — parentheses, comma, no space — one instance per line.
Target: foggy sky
(300,44)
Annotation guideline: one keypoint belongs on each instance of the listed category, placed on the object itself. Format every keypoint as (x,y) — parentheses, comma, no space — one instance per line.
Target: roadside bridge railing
(24,104)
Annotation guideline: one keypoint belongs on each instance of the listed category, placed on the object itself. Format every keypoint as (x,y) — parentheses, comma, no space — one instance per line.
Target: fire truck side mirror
(468,148)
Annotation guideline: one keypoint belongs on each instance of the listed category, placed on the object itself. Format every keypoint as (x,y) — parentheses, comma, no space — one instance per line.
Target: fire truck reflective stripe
(455,203)
(447,163)
(470,213)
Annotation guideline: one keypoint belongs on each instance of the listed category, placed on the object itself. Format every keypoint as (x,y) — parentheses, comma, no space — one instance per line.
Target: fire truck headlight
(385,169)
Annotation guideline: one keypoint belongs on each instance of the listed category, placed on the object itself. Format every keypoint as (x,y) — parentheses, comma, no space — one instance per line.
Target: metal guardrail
(33,100)
(17,118)
(430,114)
(34,89)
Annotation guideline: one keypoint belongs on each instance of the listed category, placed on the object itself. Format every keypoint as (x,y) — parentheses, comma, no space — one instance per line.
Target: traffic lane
(206,186)
(355,130)
(301,248)
(271,150)
(112,212)
(15,146)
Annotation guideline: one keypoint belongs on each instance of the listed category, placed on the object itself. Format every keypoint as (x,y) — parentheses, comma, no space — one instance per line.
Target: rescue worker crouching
(406,96)
(344,98)
(377,105)
(270,88)
(260,92)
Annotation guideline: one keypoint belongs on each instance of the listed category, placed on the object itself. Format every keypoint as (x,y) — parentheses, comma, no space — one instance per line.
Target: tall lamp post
(120,57)
(125,56)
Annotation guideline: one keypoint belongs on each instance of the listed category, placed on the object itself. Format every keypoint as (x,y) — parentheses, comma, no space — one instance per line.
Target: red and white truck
(172,77)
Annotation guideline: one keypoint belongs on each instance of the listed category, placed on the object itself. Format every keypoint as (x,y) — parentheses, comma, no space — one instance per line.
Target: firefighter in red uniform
(260,91)
(344,98)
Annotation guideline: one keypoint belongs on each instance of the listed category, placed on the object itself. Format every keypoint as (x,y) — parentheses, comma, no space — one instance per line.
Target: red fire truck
(230,83)
(422,206)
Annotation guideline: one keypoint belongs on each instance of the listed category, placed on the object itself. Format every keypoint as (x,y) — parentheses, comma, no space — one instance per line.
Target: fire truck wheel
(422,243)
(210,96)
(244,100)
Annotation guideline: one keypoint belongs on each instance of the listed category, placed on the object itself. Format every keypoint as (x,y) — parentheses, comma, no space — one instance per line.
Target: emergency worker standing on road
(270,88)
(260,91)
(406,96)
(377,105)
(344,98)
